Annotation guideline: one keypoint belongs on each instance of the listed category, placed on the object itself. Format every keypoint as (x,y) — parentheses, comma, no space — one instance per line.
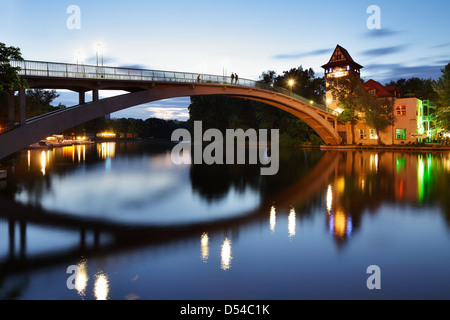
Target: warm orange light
(340,223)
(106,135)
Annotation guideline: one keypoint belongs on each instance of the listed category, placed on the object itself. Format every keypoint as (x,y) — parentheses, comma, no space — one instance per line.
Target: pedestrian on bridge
(236,76)
(232,78)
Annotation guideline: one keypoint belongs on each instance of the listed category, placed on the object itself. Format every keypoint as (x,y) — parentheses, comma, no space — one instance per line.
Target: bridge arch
(141,92)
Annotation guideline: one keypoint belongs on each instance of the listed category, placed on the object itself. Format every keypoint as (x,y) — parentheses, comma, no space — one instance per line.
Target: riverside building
(414,118)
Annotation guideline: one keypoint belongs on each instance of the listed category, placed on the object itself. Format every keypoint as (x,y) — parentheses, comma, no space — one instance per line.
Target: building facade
(414,119)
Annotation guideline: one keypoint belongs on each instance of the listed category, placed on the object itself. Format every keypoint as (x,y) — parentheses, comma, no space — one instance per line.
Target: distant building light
(106,135)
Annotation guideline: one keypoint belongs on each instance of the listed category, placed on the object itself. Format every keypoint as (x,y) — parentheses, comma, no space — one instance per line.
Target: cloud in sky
(380,33)
(384,51)
(303,54)
(386,72)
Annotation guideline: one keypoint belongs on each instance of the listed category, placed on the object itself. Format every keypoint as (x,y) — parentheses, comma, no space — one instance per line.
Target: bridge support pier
(81,97)
(11,101)
(95,95)
(22,106)
(10,105)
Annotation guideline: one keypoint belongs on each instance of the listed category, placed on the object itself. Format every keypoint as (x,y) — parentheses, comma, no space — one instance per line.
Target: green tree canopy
(418,87)
(442,88)
(9,75)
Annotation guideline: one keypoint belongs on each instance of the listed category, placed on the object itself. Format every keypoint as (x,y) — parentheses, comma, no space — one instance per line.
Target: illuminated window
(373,134)
(401,110)
(362,134)
(400,134)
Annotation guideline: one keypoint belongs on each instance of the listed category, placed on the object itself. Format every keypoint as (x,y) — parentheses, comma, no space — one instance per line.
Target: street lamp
(80,58)
(291,83)
(99,51)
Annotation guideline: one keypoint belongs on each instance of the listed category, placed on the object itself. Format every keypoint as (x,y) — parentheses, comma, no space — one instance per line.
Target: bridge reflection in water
(343,182)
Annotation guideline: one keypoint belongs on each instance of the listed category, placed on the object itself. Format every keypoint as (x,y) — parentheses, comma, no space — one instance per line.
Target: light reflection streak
(273,218)
(226,254)
(106,150)
(373,162)
(329,198)
(81,279)
(204,244)
(340,224)
(101,287)
(291,222)
(43,162)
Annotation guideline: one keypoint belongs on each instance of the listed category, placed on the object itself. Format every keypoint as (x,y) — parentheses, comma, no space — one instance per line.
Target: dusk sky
(246,37)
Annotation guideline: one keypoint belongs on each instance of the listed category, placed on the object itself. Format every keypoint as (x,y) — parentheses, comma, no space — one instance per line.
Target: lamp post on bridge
(99,51)
(79,58)
(291,83)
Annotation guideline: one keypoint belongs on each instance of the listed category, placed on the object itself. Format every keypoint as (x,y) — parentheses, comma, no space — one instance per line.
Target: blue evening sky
(244,36)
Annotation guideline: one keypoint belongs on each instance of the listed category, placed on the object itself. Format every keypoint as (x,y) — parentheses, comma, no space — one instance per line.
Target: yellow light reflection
(340,185)
(29,160)
(329,198)
(374,162)
(273,218)
(43,162)
(106,150)
(226,254)
(101,287)
(204,244)
(81,279)
(291,222)
(340,223)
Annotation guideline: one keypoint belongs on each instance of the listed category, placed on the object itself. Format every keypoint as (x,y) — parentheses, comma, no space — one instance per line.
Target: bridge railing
(65,70)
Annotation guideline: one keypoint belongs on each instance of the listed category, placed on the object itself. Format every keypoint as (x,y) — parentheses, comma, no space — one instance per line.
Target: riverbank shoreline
(388,148)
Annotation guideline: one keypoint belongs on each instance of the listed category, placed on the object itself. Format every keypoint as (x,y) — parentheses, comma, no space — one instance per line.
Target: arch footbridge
(141,86)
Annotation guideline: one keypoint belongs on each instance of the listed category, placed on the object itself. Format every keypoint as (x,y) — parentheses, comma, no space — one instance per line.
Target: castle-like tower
(341,64)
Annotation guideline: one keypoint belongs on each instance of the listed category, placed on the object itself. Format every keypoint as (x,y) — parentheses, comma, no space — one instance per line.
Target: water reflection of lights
(291,222)
(106,150)
(446,163)
(204,242)
(29,160)
(340,224)
(101,287)
(273,218)
(329,198)
(226,254)
(81,279)
(373,162)
(43,162)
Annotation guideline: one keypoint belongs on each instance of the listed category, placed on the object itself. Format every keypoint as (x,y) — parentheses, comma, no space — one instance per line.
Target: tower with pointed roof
(341,64)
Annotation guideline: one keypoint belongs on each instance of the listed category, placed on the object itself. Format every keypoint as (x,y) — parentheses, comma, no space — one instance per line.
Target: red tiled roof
(381,90)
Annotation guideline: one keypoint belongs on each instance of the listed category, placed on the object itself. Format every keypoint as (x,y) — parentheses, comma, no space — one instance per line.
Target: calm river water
(121,221)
